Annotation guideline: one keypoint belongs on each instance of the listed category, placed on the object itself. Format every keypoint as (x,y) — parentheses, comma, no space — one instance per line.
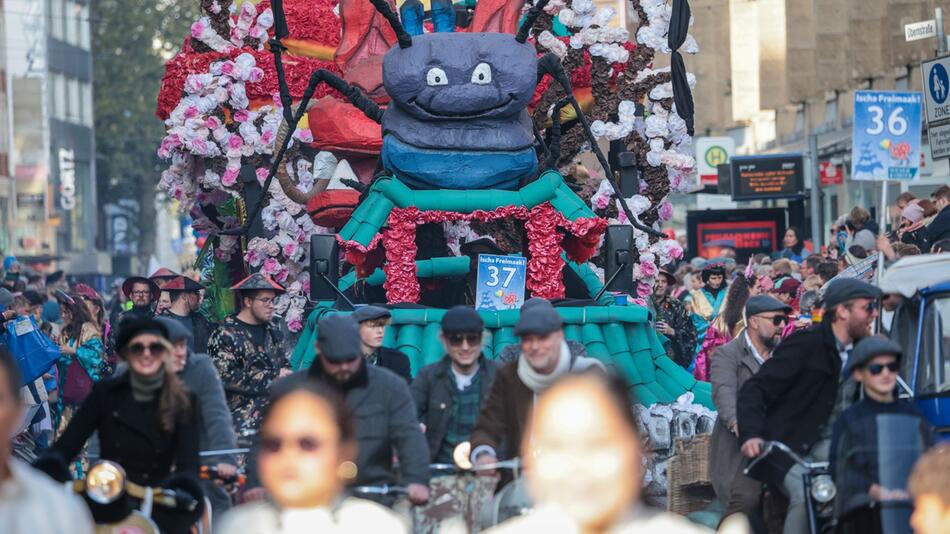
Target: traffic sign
(710,153)
(936,82)
(920,30)
(886,137)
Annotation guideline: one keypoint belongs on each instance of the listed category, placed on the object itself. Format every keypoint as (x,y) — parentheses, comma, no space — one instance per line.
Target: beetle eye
(482,74)
(436,76)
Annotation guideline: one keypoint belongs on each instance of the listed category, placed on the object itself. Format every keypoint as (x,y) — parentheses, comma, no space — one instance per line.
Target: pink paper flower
(666,211)
(644,290)
(197,29)
(235,142)
(227,68)
(241,115)
(648,269)
(261,173)
(290,249)
(229,178)
(295,325)
(212,123)
(270,266)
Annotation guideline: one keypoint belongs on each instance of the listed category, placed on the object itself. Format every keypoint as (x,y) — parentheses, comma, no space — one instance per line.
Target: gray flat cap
(370,313)
(764,303)
(338,338)
(539,318)
(845,289)
(462,319)
(176,330)
(868,348)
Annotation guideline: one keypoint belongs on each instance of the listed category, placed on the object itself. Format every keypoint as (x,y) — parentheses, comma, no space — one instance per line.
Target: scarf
(144,388)
(538,382)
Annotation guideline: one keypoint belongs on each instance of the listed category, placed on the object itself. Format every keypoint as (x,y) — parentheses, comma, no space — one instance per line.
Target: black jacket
(200,329)
(433,392)
(385,422)
(130,434)
(793,394)
(939,228)
(395,361)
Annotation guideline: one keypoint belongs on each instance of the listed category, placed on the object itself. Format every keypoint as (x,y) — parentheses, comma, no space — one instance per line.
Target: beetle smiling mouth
(471,115)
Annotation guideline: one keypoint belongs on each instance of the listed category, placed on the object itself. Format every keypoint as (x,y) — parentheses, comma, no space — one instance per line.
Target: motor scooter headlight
(105,482)
(823,489)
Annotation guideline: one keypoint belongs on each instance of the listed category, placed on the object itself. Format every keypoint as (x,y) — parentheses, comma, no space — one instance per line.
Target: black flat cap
(176,330)
(462,319)
(538,318)
(845,289)
(870,347)
(370,313)
(134,326)
(338,338)
(764,303)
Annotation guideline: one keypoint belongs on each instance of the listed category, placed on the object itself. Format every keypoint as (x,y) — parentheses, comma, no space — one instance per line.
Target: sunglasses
(138,349)
(777,320)
(457,339)
(878,368)
(871,306)
(273,444)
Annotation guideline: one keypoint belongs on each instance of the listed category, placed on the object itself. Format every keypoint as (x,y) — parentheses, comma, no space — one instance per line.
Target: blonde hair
(929,476)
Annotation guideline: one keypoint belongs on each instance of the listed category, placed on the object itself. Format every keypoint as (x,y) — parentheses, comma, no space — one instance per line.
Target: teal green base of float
(619,336)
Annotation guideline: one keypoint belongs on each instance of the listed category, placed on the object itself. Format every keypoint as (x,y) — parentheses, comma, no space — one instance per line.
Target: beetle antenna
(384,9)
(529,20)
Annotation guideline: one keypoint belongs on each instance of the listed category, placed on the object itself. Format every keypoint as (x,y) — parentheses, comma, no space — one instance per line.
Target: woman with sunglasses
(856,445)
(144,417)
(307,451)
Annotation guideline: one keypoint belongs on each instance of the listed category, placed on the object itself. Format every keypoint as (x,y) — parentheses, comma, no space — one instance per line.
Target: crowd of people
(146,380)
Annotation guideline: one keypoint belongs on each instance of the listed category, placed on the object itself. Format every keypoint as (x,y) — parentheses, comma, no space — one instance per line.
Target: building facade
(772,72)
(48,76)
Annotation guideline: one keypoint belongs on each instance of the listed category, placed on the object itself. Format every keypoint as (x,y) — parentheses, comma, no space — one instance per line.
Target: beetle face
(460,76)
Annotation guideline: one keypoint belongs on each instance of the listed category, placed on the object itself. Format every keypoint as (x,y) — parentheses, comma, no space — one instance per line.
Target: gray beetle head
(458,76)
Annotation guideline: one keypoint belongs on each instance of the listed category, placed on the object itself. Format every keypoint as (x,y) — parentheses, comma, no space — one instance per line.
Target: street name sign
(924,29)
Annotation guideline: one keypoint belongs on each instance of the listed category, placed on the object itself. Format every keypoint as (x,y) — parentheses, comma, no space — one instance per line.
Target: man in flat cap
(545,357)
(856,441)
(381,405)
(185,296)
(448,395)
(247,350)
(373,321)
(799,392)
(732,365)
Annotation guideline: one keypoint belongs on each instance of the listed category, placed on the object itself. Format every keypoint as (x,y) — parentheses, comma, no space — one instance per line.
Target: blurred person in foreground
(583,464)
(308,446)
(929,486)
(862,438)
(30,501)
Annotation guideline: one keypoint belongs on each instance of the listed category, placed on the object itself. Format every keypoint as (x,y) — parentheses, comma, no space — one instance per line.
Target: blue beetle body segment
(458,118)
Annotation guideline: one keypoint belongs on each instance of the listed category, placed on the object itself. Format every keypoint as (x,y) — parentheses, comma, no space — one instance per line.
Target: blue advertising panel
(886,137)
(500,283)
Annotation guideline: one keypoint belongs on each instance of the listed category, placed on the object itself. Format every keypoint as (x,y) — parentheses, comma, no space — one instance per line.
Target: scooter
(820,489)
(112,499)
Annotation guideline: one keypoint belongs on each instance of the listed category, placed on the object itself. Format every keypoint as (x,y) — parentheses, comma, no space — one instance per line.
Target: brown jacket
(504,414)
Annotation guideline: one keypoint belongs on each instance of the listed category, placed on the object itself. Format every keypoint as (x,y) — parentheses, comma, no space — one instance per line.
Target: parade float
(419,135)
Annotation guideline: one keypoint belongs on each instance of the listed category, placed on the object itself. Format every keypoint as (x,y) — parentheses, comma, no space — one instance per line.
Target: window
(60,96)
(87,104)
(73,113)
(71,21)
(933,368)
(831,111)
(57,10)
(84,24)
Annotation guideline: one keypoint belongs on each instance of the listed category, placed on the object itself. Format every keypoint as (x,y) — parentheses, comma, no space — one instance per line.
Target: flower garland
(581,239)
